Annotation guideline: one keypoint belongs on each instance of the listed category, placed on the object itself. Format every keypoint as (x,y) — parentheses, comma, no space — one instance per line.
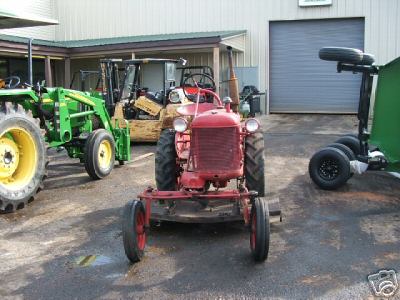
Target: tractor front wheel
(259,230)
(133,230)
(254,163)
(23,157)
(99,154)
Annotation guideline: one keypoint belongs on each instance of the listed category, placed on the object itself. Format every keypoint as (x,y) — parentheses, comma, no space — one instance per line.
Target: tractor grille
(215,149)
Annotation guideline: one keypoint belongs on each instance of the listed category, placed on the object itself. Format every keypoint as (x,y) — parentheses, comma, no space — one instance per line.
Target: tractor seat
(346,55)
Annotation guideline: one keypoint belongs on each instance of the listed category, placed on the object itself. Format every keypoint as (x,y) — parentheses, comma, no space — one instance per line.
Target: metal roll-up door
(302,83)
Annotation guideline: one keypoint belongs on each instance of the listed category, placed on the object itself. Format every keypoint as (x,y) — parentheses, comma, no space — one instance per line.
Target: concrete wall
(42,8)
(110,18)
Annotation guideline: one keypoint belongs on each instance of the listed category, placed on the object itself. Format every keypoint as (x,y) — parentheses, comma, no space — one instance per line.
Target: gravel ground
(325,247)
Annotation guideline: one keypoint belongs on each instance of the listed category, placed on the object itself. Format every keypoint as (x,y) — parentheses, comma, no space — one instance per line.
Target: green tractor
(34,118)
(375,147)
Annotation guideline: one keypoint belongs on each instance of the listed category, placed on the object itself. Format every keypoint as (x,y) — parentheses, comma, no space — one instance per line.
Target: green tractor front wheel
(99,154)
(23,157)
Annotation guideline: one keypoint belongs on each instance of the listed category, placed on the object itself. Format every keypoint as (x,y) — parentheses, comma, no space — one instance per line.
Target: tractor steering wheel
(202,78)
(12,82)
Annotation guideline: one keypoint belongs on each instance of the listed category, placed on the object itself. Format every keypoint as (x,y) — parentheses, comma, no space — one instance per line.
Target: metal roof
(126,39)
(11,19)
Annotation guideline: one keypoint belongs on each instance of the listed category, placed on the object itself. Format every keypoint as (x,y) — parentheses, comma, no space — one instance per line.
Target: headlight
(175,97)
(252,125)
(180,124)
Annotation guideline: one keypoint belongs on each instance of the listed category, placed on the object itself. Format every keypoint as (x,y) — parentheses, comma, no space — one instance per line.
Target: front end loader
(34,118)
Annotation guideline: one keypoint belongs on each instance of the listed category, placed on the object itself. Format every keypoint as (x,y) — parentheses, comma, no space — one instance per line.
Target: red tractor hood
(216,118)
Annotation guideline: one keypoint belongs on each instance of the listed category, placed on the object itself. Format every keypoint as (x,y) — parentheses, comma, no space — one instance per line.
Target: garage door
(299,81)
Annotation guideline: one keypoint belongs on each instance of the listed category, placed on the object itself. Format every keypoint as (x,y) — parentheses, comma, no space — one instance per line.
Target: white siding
(111,18)
(42,8)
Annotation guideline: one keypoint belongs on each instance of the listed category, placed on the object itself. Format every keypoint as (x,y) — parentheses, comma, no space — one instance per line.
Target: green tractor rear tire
(254,163)
(99,154)
(23,157)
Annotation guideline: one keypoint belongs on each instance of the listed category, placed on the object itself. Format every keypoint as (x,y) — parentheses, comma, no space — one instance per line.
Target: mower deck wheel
(352,142)
(345,149)
(329,168)
(259,230)
(133,230)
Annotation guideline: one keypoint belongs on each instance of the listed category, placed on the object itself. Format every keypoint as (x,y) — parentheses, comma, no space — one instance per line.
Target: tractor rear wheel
(329,168)
(99,154)
(165,162)
(259,230)
(23,157)
(254,163)
(133,230)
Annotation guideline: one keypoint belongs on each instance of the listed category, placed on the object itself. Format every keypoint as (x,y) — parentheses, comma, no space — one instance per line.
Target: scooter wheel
(329,168)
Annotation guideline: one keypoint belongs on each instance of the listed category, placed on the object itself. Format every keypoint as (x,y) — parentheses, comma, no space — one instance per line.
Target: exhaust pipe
(30,76)
(233,83)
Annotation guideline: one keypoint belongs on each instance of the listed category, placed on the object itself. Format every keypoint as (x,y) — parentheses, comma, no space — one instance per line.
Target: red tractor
(194,163)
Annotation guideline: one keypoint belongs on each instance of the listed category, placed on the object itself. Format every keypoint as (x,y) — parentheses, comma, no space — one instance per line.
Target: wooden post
(67,72)
(216,67)
(47,72)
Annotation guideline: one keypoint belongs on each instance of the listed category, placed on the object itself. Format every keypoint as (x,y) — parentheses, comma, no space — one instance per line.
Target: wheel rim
(140,231)
(105,154)
(253,232)
(18,158)
(329,169)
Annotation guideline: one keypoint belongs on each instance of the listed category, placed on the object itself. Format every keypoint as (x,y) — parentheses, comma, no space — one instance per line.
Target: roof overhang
(10,19)
(127,45)
(237,42)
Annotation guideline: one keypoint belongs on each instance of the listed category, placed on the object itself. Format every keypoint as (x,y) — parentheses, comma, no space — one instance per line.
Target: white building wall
(42,8)
(111,18)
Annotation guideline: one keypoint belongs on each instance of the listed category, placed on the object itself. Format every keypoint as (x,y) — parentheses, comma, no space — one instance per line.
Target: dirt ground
(67,243)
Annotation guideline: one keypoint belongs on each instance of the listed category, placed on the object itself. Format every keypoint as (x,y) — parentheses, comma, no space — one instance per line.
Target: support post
(216,68)
(47,72)
(67,72)
(133,55)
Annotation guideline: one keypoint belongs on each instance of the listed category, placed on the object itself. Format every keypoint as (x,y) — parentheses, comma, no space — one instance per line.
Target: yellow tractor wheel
(99,154)
(22,157)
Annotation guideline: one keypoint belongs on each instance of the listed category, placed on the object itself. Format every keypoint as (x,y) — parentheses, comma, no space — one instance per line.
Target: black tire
(346,150)
(95,142)
(165,162)
(133,230)
(329,168)
(341,54)
(254,163)
(23,149)
(259,230)
(352,142)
